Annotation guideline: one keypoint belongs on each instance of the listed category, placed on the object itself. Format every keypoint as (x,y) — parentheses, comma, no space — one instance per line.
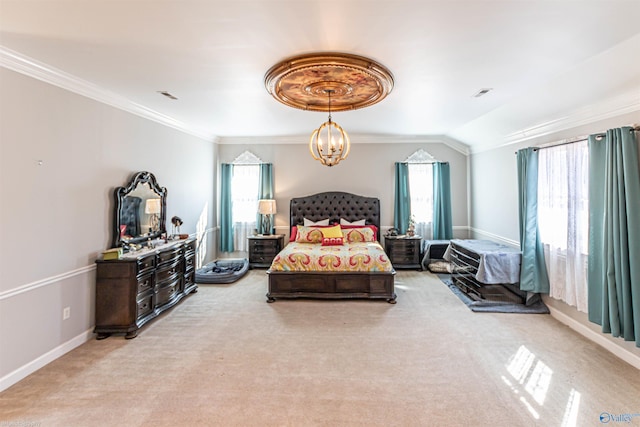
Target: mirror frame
(121,192)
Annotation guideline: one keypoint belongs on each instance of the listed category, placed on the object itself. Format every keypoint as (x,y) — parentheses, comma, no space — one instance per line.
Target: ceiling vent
(167,94)
(482,92)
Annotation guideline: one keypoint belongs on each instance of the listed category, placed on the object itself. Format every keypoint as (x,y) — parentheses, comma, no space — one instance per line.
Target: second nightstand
(262,249)
(403,252)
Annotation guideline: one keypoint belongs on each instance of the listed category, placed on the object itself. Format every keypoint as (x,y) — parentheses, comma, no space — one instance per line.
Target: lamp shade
(152,206)
(267,206)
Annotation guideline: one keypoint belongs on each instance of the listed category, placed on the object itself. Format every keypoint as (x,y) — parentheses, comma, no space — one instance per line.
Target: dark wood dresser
(263,249)
(136,288)
(403,252)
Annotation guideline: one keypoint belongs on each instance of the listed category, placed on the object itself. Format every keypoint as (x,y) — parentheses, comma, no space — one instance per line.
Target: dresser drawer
(190,249)
(261,258)
(403,259)
(168,291)
(144,304)
(167,271)
(264,252)
(265,244)
(169,256)
(189,278)
(145,282)
(146,264)
(403,250)
(189,263)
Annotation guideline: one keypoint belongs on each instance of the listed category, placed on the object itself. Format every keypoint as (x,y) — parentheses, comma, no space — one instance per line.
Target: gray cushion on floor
(222,271)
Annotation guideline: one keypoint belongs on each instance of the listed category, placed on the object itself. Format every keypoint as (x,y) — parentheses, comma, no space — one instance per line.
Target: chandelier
(329,143)
(329,81)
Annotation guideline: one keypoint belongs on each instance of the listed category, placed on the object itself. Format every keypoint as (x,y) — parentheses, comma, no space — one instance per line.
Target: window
(245,184)
(244,190)
(421,190)
(420,166)
(563,219)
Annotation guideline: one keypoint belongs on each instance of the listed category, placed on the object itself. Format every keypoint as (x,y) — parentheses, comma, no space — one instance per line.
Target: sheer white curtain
(563,218)
(421,190)
(244,190)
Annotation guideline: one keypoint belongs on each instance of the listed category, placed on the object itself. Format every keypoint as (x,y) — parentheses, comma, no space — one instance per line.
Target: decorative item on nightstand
(266,208)
(411,230)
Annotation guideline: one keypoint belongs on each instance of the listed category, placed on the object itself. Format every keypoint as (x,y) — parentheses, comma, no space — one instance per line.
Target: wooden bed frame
(333,285)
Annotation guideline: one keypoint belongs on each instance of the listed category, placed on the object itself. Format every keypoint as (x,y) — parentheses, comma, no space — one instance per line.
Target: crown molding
(624,103)
(30,67)
(356,138)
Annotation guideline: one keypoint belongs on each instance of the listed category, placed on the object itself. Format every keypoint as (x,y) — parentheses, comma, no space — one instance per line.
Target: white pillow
(309,223)
(358,222)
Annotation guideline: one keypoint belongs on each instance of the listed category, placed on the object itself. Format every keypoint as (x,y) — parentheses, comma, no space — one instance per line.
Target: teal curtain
(442,222)
(402,202)
(226,211)
(265,191)
(533,271)
(614,235)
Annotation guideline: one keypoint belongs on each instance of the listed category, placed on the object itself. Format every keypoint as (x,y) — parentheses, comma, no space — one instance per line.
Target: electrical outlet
(66,313)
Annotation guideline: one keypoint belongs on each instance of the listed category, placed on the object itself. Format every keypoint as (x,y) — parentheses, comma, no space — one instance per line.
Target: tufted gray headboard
(335,205)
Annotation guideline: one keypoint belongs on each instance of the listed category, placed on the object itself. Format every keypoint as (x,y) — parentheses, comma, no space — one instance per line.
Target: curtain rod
(598,135)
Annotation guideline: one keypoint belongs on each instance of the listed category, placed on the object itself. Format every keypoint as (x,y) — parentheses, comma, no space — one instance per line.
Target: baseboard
(627,356)
(31,367)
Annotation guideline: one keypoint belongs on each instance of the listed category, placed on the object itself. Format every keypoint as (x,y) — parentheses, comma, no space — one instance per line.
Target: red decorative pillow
(332,241)
(293,234)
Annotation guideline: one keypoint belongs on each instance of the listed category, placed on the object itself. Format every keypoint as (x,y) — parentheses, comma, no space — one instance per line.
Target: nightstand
(262,249)
(403,252)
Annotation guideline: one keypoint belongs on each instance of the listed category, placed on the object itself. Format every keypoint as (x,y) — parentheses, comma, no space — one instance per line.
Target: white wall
(368,171)
(61,156)
(494,211)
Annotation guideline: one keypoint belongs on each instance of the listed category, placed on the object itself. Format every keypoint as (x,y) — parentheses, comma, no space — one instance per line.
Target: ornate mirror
(140,210)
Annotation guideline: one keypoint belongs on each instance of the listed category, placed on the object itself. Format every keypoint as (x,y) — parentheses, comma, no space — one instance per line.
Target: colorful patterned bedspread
(360,257)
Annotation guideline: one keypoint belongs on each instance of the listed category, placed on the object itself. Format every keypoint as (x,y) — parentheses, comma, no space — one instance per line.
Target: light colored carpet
(224,357)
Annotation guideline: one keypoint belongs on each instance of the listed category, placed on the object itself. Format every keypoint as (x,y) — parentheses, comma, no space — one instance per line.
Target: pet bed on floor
(222,271)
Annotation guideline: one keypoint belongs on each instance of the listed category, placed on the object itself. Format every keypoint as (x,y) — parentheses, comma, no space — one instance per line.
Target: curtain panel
(442,218)
(265,191)
(533,271)
(226,208)
(402,200)
(614,238)
(563,219)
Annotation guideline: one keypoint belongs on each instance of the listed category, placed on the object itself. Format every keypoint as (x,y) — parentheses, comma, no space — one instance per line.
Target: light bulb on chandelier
(329,144)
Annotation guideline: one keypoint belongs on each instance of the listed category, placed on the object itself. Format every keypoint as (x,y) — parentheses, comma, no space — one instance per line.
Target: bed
(369,275)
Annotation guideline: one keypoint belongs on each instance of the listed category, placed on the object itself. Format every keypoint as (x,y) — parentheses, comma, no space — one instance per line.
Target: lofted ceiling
(550,64)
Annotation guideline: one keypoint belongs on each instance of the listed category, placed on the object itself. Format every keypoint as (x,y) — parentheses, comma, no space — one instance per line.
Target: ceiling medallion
(303,81)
